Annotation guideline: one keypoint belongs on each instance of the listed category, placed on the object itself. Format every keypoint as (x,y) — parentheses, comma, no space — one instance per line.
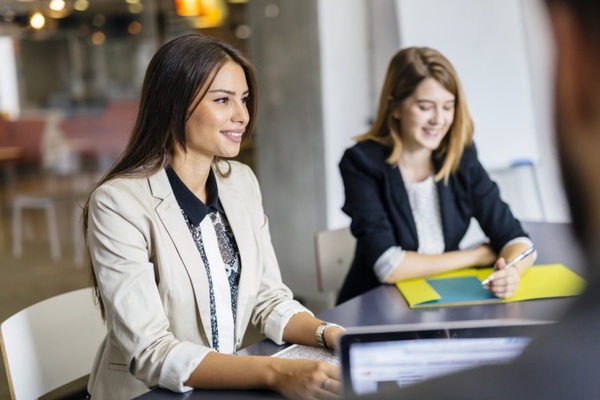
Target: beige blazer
(154,286)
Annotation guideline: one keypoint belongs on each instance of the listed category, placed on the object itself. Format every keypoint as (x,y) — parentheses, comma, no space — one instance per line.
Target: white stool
(21,202)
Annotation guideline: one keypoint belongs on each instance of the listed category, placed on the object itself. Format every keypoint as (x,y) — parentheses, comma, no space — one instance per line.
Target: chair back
(520,188)
(334,250)
(51,343)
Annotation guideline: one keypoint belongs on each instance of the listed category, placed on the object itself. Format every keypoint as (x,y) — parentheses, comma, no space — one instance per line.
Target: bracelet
(320,334)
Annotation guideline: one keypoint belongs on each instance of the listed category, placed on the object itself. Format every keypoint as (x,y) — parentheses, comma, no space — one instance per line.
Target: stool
(21,202)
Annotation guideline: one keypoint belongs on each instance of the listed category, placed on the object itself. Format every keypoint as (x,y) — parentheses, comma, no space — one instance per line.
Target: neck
(415,166)
(193,173)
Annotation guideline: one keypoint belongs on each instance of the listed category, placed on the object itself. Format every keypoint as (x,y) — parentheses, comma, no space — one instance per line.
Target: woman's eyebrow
(230,92)
(433,101)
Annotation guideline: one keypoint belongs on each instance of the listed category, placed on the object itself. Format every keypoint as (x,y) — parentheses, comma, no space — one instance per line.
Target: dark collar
(191,205)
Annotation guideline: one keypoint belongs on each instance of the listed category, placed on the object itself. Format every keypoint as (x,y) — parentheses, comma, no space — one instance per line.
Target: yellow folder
(463,287)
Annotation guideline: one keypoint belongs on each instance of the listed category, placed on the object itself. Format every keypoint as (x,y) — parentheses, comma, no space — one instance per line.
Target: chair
(37,202)
(59,180)
(520,188)
(334,251)
(51,343)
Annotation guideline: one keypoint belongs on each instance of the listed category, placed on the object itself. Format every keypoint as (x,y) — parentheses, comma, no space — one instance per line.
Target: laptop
(375,359)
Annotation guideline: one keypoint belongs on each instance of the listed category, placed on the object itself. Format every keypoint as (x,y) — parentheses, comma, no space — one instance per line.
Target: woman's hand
(306,379)
(332,336)
(503,281)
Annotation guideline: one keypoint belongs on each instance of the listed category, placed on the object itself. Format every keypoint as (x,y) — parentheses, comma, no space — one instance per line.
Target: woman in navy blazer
(413,182)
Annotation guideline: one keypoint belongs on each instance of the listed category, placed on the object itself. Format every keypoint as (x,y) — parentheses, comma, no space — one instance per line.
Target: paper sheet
(297,351)
(464,286)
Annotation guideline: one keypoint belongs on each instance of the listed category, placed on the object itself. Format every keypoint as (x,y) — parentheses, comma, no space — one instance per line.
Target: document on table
(301,352)
(463,287)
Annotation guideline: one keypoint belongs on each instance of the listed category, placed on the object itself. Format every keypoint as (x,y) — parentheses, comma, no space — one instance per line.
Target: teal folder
(464,287)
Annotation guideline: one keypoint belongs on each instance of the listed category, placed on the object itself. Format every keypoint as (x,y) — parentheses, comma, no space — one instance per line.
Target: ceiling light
(37,20)
(81,5)
(98,38)
(57,5)
(135,8)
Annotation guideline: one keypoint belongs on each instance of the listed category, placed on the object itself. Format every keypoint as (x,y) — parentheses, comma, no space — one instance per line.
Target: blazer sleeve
(491,212)
(367,201)
(119,251)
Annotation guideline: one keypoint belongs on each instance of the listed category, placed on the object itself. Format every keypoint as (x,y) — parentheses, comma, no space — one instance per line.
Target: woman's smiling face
(216,125)
(426,115)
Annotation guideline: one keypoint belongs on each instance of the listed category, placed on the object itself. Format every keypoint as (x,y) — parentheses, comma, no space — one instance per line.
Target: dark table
(386,306)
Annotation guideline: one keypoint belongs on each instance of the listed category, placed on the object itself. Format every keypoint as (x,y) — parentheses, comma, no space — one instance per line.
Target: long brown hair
(407,69)
(180,71)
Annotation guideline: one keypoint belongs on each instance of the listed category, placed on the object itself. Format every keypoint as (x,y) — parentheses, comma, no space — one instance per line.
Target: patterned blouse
(218,249)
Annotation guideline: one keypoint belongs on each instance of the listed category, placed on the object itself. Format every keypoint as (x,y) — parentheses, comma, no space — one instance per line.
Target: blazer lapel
(447,205)
(235,206)
(400,200)
(447,209)
(170,215)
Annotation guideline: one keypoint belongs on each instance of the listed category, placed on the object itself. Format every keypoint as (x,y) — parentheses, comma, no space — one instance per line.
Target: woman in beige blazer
(181,253)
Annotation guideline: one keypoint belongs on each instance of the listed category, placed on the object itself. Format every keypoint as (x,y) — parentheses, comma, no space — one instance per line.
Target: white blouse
(425,205)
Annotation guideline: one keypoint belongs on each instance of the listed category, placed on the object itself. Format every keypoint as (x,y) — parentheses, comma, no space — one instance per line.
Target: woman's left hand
(332,336)
(504,281)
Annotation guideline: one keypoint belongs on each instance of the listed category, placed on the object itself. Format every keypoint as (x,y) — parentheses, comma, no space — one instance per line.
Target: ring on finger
(326,383)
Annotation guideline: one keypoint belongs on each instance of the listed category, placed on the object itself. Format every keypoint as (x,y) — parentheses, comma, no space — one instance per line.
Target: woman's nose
(241,113)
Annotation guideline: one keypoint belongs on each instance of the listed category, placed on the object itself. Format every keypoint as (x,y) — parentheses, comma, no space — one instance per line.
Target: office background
(335,53)
(321,64)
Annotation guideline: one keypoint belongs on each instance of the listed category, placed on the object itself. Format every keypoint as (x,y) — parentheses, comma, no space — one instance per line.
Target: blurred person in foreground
(564,362)
(180,247)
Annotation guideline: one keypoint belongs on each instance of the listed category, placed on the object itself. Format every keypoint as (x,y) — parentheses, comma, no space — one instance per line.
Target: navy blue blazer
(377,202)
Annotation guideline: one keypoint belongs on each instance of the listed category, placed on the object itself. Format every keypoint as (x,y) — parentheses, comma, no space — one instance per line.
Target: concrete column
(313,62)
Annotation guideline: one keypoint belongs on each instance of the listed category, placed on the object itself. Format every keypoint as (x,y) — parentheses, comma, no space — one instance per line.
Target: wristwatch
(320,334)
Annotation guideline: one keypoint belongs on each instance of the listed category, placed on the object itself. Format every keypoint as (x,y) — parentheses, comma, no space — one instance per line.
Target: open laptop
(375,359)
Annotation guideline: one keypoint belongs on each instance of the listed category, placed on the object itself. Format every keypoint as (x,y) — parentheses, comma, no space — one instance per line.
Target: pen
(513,262)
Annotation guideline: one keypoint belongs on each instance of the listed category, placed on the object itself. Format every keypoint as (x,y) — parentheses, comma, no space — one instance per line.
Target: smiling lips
(432,132)
(234,135)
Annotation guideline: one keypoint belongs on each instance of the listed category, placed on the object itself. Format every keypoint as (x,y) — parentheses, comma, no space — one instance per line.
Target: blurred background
(70,76)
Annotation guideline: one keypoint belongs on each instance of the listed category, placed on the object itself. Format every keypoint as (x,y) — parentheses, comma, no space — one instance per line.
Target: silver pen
(515,260)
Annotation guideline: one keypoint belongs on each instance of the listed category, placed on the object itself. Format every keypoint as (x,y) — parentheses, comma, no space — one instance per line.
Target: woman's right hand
(306,379)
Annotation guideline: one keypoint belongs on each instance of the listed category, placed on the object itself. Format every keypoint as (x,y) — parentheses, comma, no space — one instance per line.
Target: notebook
(463,287)
(374,359)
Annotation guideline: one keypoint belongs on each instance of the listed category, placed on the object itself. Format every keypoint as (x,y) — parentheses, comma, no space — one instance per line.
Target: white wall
(540,50)
(485,41)
(9,94)
(320,81)
(345,89)
(533,92)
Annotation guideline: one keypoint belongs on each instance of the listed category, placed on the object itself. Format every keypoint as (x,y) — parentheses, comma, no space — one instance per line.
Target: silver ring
(326,383)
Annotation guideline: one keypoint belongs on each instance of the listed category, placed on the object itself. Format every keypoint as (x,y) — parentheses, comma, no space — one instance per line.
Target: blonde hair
(407,69)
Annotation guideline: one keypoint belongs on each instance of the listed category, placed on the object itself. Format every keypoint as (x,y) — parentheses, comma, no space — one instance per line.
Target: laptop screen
(374,361)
